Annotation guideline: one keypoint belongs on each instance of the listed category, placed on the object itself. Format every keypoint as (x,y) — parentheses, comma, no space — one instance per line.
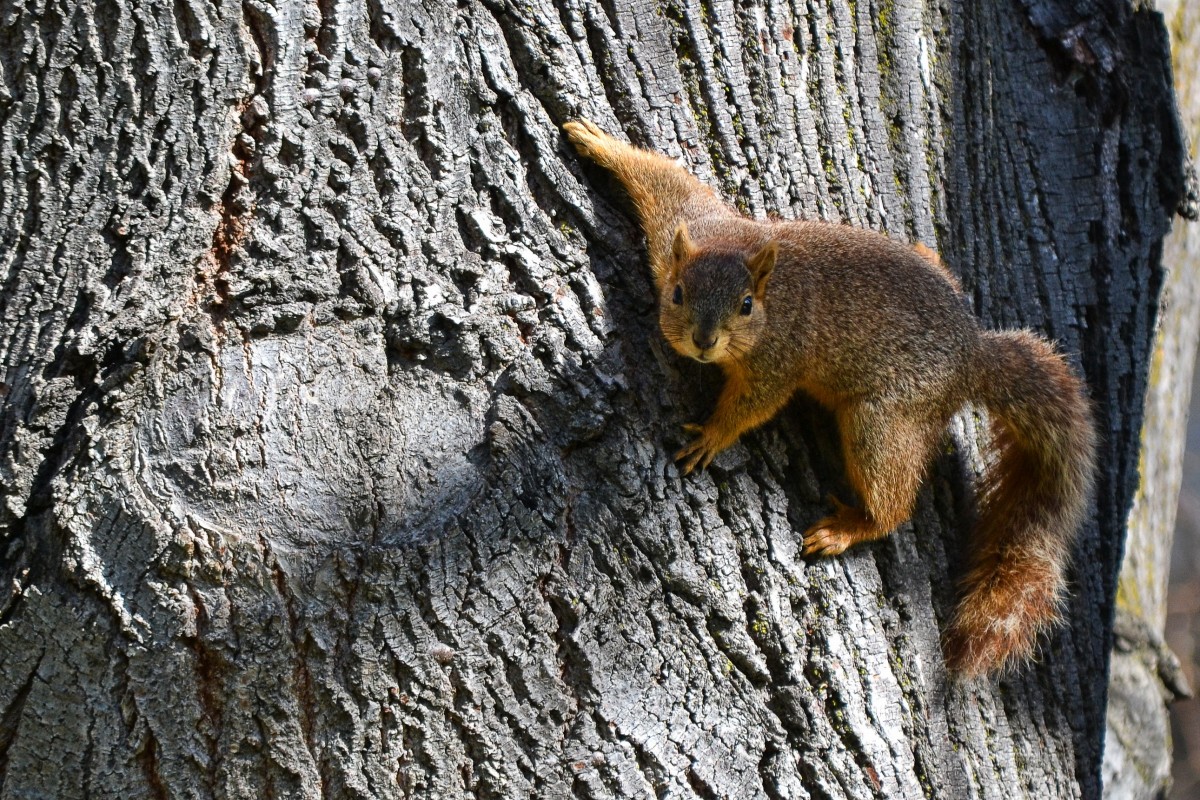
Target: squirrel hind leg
(886,451)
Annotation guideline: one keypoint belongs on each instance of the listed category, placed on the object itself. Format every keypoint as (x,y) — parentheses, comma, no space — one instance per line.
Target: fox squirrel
(876,331)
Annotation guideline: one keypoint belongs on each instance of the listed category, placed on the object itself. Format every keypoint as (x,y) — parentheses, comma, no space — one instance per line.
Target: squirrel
(876,331)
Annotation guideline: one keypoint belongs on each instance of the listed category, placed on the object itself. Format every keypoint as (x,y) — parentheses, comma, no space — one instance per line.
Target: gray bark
(337,431)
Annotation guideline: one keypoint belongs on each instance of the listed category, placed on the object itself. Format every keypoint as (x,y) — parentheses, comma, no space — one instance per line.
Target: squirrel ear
(761,264)
(682,246)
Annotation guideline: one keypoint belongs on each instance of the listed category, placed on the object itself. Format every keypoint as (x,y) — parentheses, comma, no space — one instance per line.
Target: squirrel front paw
(701,451)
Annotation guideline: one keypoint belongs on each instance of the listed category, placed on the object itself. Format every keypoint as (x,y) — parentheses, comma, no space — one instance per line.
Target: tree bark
(1145,676)
(337,430)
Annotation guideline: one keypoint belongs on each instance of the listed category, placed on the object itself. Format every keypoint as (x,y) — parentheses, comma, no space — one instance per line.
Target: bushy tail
(1032,501)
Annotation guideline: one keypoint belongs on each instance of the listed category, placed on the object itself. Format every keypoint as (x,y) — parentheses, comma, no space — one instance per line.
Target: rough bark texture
(1145,676)
(336,436)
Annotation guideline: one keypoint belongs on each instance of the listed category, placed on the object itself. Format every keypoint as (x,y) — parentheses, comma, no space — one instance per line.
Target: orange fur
(875,330)
(935,261)
(1033,501)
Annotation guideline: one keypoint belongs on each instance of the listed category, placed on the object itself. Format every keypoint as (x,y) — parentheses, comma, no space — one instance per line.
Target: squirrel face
(712,308)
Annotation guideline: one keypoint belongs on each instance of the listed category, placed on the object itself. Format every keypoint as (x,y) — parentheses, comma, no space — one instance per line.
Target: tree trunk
(337,430)
(1145,675)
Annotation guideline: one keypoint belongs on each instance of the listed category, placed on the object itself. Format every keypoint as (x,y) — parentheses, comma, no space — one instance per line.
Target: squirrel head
(712,304)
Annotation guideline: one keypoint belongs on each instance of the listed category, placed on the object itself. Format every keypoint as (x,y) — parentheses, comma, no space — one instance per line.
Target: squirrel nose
(702,341)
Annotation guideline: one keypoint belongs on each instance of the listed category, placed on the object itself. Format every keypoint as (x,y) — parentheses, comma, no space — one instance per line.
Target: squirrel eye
(677,298)
(747,305)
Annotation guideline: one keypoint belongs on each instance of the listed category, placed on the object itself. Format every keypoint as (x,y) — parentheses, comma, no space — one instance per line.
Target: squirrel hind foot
(826,539)
(834,534)
(586,136)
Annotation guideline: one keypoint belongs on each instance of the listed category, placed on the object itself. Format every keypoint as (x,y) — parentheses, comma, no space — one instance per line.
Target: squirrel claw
(691,456)
(847,527)
(824,539)
(700,452)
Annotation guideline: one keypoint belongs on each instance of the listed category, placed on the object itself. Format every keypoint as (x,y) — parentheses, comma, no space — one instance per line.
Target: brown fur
(875,330)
